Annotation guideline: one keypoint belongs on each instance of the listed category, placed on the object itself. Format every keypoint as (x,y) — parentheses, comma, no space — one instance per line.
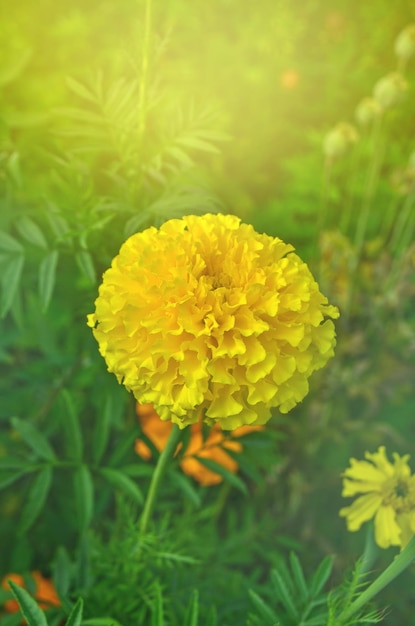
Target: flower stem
(398,565)
(163,459)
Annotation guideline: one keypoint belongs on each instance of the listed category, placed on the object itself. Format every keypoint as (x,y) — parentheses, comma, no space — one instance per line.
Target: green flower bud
(339,139)
(405,43)
(367,111)
(390,90)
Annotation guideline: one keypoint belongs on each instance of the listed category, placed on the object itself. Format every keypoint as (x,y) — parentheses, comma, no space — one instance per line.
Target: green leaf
(31,612)
(321,576)
(47,277)
(298,577)
(284,593)
(186,486)
(198,144)
(62,572)
(101,430)
(120,481)
(10,282)
(34,438)
(192,616)
(100,621)
(228,476)
(75,617)
(84,496)
(157,613)
(30,231)
(9,243)
(72,429)
(80,90)
(8,478)
(85,263)
(265,612)
(36,499)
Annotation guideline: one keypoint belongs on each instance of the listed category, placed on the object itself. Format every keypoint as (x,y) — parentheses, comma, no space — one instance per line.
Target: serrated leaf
(320,576)
(30,231)
(85,263)
(10,282)
(9,243)
(34,438)
(192,617)
(32,613)
(80,89)
(47,277)
(227,475)
(72,429)
(84,496)
(36,499)
(265,612)
(75,616)
(120,481)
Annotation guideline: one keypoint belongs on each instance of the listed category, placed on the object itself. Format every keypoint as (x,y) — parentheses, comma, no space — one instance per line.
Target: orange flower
(213,447)
(44,593)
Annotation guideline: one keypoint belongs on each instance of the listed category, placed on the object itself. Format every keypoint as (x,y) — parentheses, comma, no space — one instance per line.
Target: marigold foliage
(205,315)
(213,447)
(388,496)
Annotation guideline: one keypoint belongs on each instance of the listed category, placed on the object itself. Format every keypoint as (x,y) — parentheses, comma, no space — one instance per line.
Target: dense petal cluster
(388,496)
(205,315)
(212,446)
(44,593)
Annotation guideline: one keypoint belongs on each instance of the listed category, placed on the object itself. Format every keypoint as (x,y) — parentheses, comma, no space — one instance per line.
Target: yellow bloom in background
(45,592)
(213,447)
(207,316)
(389,497)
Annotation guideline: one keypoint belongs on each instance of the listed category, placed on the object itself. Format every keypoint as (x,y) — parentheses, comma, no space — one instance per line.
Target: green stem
(370,187)
(400,563)
(163,459)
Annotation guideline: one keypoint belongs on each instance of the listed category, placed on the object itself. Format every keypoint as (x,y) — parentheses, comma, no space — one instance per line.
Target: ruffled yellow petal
(387,530)
(361,510)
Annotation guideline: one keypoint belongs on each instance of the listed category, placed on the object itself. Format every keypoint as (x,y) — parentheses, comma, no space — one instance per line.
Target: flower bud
(405,43)
(339,139)
(390,90)
(367,111)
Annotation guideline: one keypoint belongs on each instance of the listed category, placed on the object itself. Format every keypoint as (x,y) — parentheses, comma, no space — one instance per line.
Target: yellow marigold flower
(212,447)
(45,592)
(204,315)
(389,497)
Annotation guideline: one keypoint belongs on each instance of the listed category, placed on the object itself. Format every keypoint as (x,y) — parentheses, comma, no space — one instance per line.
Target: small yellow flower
(388,496)
(207,316)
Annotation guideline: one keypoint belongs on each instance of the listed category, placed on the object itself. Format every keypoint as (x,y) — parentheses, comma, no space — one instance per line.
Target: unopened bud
(390,90)
(405,43)
(339,139)
(367,110)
